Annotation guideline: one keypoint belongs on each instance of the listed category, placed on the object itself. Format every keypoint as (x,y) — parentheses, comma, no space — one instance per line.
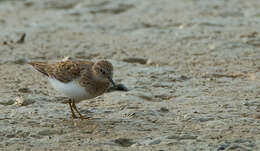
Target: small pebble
(121,87)
(124,142)
(222,147)
(135,60)
(24,90)
(164,110)
(23,101)
(22,38)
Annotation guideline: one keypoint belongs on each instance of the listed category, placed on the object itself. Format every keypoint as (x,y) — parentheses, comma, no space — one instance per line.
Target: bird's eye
(102,71)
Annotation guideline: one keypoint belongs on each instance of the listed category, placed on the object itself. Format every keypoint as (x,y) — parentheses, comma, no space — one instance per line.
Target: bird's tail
(41,67)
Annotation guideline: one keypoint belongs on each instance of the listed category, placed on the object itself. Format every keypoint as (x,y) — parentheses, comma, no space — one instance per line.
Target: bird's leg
(71,109)
(76,109)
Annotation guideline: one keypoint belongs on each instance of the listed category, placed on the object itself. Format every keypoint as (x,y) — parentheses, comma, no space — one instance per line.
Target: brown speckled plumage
(94,78)
(64,71)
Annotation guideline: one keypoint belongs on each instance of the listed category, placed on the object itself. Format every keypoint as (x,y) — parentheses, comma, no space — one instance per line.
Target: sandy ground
(192,68)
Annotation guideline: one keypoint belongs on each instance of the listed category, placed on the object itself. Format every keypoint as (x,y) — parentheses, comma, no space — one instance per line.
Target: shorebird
(78,80)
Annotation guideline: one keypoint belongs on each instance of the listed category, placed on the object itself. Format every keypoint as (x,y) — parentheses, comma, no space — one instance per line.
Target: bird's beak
(111,80)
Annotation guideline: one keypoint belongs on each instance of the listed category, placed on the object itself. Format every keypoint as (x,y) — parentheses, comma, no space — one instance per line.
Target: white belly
(71,89)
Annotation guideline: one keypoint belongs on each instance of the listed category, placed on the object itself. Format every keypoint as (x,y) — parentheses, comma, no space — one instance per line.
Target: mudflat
(192,69)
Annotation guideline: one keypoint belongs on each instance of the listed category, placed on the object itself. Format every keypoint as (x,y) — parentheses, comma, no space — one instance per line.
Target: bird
(78,80)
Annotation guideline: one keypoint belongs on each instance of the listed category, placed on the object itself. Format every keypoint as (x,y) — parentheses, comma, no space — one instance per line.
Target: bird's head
(104,71)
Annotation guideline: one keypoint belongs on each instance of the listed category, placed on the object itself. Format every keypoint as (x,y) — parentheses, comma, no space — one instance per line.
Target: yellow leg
(71,109)
(76,109)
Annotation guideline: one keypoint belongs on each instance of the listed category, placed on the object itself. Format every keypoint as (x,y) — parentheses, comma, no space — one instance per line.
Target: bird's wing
(64,71)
